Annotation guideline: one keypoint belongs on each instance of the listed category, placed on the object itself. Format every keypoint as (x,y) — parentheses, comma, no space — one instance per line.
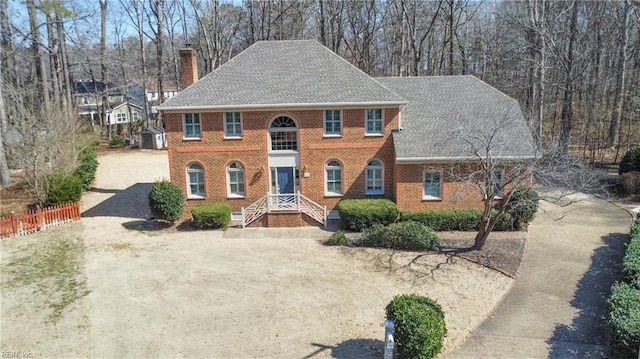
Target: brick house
(286,129)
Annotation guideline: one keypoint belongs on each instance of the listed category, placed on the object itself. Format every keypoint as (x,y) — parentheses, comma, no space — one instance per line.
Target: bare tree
(618,102)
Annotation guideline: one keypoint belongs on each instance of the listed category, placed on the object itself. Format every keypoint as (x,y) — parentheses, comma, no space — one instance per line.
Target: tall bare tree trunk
(5,175)
(567,100)
(618,101)
(104,112)
(36,44)
(158,9)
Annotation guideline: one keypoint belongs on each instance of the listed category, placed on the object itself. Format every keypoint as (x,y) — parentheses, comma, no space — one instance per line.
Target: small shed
(153,138)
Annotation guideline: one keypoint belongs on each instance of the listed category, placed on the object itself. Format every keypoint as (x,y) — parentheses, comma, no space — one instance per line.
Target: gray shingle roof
(447,116)
(283,74)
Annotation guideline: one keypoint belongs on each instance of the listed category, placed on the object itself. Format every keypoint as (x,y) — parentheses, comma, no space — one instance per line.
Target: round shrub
(631,161)
(118,141)
(338,238)
(403,235)
(419,326)
(166,201)
(211,215)
(523,204)
(88,166)
(63,189)
(359,214)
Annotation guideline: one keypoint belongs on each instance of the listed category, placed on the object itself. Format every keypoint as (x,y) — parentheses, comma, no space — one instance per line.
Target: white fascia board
(282,106)
(409,160)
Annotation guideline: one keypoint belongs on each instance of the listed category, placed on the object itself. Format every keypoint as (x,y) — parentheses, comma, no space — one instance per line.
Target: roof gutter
(409,160)
(282,106)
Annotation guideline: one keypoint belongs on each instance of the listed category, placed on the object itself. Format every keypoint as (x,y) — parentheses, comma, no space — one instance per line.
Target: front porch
(284,210)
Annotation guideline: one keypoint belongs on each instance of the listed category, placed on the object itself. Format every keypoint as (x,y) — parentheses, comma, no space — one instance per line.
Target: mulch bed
(502,254)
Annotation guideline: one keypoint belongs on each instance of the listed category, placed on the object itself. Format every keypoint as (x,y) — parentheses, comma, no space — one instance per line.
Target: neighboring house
(89,98)
(125,112)
(286,129)
(170,89)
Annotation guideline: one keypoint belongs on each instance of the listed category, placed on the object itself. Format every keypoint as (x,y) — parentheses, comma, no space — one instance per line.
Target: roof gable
(284,74)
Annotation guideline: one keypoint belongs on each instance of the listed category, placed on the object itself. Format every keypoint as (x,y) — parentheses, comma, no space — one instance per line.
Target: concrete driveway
(557,307)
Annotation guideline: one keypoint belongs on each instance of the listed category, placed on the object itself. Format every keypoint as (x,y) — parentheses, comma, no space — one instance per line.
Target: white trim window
(432,184)
(374,178)
(195,181)
(121,117)
(374,124)
(283,134)
(191,125)
(135,116)
(232,125)
(333,123)
(235,180)
(333,178)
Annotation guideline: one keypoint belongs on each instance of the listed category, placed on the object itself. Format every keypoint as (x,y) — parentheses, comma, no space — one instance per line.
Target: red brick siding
(455,194)
(214,153)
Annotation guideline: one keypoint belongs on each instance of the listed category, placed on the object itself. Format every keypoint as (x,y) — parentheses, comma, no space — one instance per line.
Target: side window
(432,184)
(191,125)
(235,180)
(374,122)
(333,178)
(232,125)
(195,181)
(332,123)
(374,178)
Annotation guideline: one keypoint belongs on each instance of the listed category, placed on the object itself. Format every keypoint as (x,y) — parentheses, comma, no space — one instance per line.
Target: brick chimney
(188,67)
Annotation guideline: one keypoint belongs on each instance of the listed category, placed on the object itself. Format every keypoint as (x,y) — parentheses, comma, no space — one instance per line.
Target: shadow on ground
(352,348)
(586,336)
(131,202)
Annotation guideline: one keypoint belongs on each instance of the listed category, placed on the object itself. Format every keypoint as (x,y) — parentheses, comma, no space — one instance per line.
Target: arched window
(235,180)
(195,181)
(333,178)
(283,132)
(374,178)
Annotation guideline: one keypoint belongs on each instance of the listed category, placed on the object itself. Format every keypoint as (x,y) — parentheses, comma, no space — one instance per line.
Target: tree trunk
(36,43)
(567,101)
(618,101)
(5,175)
(159,11)
(103,69)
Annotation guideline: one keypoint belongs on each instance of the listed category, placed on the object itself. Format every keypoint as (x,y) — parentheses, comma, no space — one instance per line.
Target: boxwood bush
(631,161)
(454,220)
(211,215)
(63,189)
(403,235)
(631,260)
(166,201)
(419,326)
(88,166)
(359,214)
(624,321)
(523,205)
(339,238)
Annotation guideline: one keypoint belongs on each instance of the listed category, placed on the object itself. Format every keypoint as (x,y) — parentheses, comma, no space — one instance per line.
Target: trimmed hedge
(624,321)
(631,161)
(338,238)
(454,220)
(359,214)
(624,303)
(166,201)
(211,215)
(88,166)
(403,235)
(631,260)
(63,189)
(419,326)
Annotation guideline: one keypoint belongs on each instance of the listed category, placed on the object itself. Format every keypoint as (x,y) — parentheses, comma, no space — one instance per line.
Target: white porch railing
(290,202)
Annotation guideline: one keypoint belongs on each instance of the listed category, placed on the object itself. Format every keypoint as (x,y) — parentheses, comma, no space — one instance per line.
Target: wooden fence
(34,220)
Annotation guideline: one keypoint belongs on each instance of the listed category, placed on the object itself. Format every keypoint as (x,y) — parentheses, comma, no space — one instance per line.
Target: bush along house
(286,129)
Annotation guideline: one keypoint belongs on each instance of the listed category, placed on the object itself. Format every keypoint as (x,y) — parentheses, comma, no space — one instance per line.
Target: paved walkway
(557,307)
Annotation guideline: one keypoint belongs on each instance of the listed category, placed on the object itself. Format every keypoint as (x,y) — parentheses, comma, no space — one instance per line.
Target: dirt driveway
(125,289)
